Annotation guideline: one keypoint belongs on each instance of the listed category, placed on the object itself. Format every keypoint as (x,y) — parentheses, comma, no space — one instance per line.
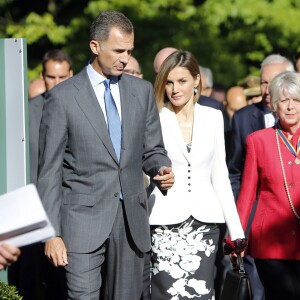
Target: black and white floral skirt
(182,260)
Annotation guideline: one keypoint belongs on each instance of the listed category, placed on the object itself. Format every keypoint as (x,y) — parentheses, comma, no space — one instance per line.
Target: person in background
(235,100)
(133,68)
(206,81)
(184,223)
(251,86)
(219,92)
(33,275)
(245,121)
(8,255)
(206,90)
(99,131)
(206,100)
(36,87)
(272,175)
(297,61)
(254,117)
(57,67)
(160,56)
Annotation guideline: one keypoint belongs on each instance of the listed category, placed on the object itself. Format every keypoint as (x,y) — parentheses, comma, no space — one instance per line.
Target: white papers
(23,220)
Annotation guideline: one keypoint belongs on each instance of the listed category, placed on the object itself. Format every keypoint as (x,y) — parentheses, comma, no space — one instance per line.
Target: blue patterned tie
(113,119)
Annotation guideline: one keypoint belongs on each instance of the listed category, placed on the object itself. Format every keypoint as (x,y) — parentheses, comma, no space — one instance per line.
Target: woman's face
(180,86)
(288,110)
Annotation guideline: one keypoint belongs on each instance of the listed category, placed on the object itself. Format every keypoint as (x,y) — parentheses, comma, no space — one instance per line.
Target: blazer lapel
(88,103)
(173,127)
(198,131)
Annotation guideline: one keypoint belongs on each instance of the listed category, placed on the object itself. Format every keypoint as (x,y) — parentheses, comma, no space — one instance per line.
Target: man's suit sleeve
(235,161)
(155,155)
(52,143)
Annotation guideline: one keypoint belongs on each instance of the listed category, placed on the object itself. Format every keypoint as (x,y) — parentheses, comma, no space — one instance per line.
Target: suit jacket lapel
(127,95)
(88,103)
(258,120)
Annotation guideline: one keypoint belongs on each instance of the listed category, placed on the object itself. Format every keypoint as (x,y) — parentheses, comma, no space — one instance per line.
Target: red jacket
(275,230)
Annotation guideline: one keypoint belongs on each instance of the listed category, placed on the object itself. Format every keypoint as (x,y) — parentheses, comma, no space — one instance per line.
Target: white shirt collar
(97,78)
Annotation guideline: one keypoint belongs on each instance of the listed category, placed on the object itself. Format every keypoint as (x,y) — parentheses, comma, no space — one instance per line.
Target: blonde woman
(184,223)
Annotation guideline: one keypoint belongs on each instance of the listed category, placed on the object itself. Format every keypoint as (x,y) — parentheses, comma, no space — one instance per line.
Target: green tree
(229,36)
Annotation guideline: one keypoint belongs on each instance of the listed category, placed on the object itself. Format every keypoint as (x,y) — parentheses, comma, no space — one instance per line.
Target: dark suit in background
(220,267)
(245,121)
(33,275)
(211,102)
(35,107)
(50,281)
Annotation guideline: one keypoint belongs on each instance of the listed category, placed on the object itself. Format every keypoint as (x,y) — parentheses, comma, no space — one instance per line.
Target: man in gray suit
(91,178)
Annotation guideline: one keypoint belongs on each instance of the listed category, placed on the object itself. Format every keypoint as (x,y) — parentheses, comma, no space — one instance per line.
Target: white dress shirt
(99,88)
(269,120)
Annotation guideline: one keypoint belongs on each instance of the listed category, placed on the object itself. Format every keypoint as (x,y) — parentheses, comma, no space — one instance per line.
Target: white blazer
(202,188)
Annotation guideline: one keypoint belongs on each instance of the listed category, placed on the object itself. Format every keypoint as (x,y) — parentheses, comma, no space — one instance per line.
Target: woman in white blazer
(184,223)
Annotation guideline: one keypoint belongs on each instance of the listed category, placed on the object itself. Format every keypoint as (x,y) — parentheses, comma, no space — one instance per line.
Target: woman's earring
(195,91)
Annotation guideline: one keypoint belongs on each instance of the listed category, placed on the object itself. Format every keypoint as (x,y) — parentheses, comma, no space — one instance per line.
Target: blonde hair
(179,58)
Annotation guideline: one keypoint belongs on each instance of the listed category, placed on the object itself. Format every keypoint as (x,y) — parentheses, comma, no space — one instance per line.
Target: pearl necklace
(284,179)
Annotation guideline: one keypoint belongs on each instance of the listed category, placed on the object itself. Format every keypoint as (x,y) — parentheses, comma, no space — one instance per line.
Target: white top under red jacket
(202,188)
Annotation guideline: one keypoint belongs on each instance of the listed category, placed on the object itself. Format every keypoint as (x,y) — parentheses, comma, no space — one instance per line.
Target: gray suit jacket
(35,108)
(80,178)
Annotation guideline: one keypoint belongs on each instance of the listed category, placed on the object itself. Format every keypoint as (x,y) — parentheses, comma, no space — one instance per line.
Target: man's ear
(94,45)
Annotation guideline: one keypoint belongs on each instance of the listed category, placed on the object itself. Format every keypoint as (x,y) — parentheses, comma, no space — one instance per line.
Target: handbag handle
(240,264)
(237,263)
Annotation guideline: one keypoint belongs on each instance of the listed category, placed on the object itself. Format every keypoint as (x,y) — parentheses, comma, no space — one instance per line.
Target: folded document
(23,220)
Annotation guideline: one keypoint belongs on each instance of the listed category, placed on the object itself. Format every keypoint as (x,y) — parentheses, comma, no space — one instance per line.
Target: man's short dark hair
(56,55)
(102,25)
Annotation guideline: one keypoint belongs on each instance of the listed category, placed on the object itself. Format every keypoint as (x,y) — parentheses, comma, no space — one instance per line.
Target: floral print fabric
(182,260)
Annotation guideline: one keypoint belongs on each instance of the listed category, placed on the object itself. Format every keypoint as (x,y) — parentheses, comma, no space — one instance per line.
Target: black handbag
(236,284)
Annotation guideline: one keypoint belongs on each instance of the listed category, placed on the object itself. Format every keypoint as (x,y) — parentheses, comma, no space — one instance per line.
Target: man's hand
(56,252)
(165,178)
(8,255)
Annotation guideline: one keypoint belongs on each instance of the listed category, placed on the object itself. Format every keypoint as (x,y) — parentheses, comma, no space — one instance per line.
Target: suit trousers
(280,278)
(257,287)
(115,268)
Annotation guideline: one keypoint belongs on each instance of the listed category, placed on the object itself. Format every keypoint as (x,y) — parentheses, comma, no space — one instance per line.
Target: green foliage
(35,27)
(34,73)
(230,36)
(8,292)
